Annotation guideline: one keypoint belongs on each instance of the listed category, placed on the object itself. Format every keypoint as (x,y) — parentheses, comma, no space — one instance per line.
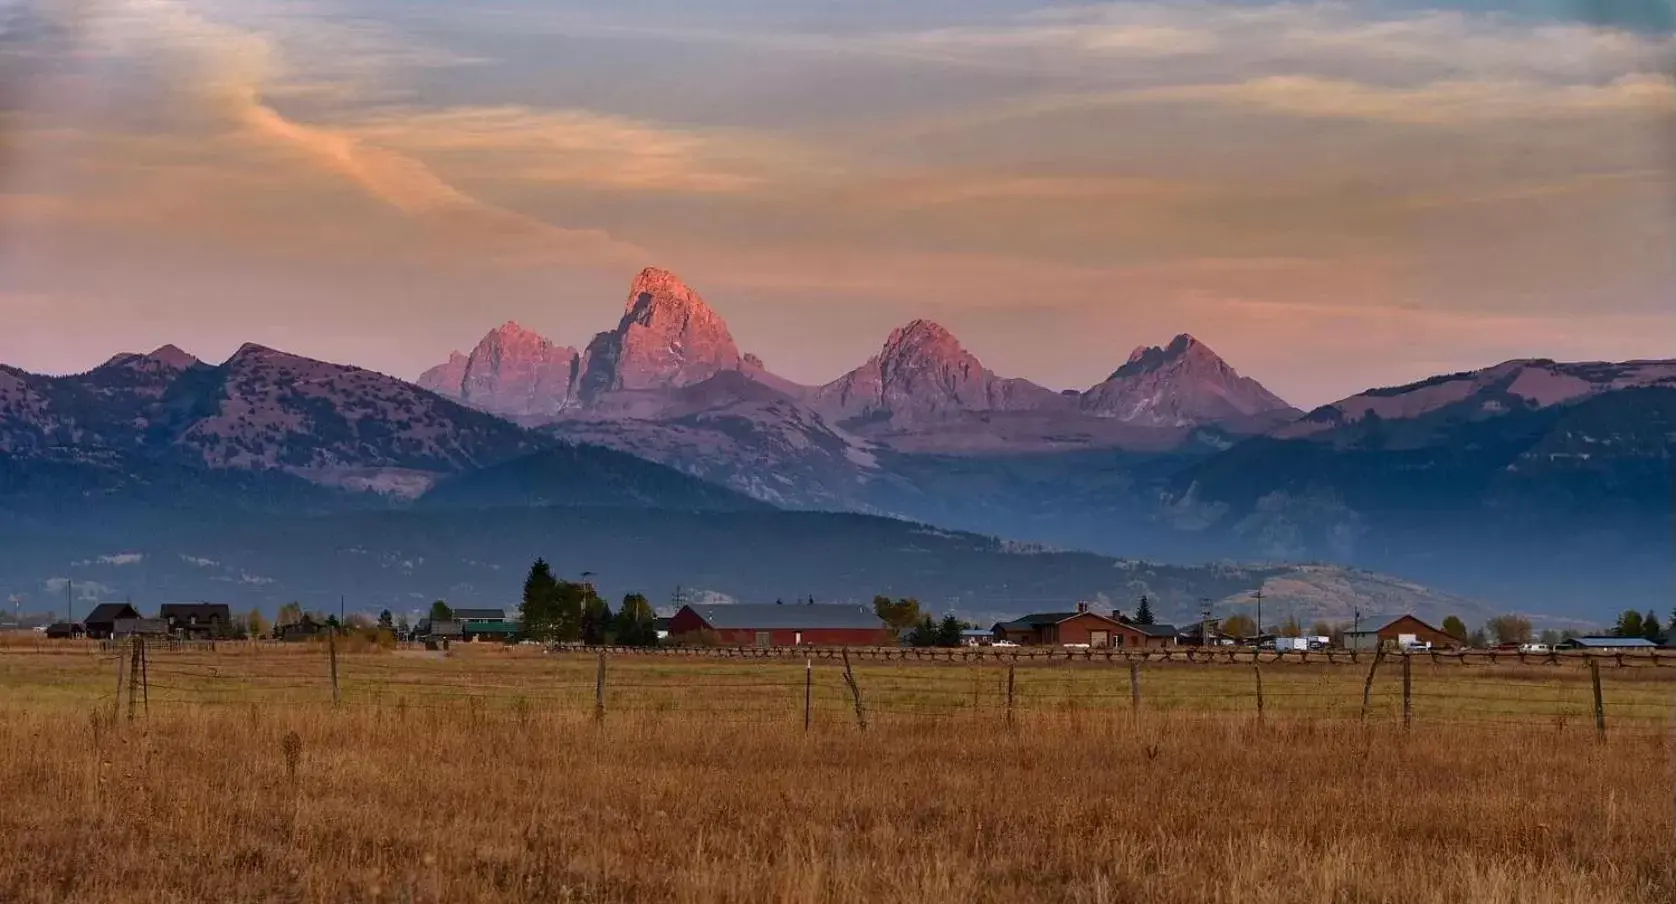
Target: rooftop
(767,616)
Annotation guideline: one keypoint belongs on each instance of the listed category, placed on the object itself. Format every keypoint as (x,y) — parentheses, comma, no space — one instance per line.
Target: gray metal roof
(768,616)
(1611,642)
(1154,630)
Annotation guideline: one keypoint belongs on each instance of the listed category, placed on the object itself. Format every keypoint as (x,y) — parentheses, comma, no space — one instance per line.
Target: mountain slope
(579,475)
(1185,384)
(261,410)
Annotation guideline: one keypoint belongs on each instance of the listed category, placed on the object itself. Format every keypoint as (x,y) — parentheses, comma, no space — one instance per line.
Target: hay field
(486,776)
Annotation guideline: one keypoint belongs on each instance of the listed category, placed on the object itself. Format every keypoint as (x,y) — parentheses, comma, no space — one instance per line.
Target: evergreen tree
(636,623)
(1629,624)
(924,634)
(539,608)
(1143,615)
(595,618)
(1650,627)
(441,612)
(1454,627)
(948,631)
(386,621)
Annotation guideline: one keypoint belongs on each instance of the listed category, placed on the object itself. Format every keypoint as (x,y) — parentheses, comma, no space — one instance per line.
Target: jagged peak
(1149,358)
(919,334)
(654,284)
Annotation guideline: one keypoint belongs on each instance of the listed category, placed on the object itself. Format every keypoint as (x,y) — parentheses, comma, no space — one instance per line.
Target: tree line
(565,611)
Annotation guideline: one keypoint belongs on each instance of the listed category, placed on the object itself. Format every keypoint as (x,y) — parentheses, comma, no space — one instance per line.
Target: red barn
(781,625)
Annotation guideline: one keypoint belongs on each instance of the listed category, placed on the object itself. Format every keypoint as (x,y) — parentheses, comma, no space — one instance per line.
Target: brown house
(198,620)
(101,622)
(1390,634)
(1083,628)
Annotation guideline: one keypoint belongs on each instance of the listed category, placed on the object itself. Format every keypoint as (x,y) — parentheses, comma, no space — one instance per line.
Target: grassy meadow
(485,775)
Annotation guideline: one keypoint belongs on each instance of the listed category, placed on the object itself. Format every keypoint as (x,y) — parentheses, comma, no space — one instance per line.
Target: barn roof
(1607,643)
(768,616)
(110,612)
(484,614)
(188,610)
(1154,630)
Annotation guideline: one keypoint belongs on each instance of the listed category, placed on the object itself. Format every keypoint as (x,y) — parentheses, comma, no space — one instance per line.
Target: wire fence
(1607,695)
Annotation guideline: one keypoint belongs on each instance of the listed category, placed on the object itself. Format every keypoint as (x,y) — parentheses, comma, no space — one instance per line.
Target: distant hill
(403,560)
(581,475)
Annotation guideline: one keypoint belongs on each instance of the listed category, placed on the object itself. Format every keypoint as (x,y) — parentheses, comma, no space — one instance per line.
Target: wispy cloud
(231,71)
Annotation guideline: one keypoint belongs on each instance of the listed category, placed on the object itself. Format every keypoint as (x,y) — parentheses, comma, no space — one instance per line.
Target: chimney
(1082,607)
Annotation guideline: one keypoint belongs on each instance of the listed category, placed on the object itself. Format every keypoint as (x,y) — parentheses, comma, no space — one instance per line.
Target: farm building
(63,630)
(101,622)
(781,625)
(484,624)
(1608,644)
(197,620)
(1083,627)
(1391,634)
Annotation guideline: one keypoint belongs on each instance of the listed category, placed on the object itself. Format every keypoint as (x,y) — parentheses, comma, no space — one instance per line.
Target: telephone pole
(1204,624)
(69,601)
(1259,596)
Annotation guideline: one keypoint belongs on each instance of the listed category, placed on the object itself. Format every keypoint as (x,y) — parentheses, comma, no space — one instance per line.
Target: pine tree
(538,610)
(636,623)
(386,621)
(1143,615)
(1650,627)
(596,618)
(1629,624)
(948,631)
(1454,627)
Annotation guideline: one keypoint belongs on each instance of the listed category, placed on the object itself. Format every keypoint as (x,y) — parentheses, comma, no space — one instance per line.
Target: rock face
(921,374)
(1184,384)
(668,338)
(513,372)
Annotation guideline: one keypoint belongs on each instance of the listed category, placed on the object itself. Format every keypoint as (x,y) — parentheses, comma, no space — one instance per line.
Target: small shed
(63,630)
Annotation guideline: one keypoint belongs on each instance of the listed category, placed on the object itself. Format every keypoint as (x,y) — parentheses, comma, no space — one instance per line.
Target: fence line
(819,689)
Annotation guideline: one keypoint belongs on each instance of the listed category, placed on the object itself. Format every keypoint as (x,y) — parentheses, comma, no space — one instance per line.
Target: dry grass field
(485,776)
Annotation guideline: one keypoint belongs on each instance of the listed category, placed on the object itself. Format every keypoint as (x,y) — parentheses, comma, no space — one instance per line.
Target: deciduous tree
(1239,625)
(636,622)
(901,615)
(1509,628)
(441,612)
(1454,627)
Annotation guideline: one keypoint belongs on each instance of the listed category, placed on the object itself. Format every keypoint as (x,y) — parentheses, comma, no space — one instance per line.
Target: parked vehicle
(1534,648)
(1291,644)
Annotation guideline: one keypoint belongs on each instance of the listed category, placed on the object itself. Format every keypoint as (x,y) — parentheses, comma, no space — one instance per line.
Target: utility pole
(1204,624)
(69,601)
(340,612)
(1259,596)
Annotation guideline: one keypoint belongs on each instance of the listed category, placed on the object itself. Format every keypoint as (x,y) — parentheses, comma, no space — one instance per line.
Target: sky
(1331,195)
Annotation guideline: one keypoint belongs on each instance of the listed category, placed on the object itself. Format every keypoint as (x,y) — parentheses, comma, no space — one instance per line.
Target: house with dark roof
(780,625)
(197,620)
(101,622)
(1083,627)
(1607,644)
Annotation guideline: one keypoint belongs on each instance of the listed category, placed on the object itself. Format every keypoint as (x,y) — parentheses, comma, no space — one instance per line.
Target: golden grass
(484,777)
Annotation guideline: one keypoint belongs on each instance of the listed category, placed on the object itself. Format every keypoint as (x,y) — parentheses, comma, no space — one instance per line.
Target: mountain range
(1534,484)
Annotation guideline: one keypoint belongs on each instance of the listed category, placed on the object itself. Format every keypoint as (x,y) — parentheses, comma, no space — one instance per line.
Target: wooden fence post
(1258,671)
(116,701)
(1367,687)
(855,692)
(599,689)
(332,647)
(808,694)
(1010,692)
(145,679)
(1600,703)
(1134,685)
(134,675)
(1407,691)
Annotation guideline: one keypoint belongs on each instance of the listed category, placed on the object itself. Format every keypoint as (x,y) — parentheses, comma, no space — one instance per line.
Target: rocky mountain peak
(172,356)
(668,337)
(923,372)
(1183,384)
